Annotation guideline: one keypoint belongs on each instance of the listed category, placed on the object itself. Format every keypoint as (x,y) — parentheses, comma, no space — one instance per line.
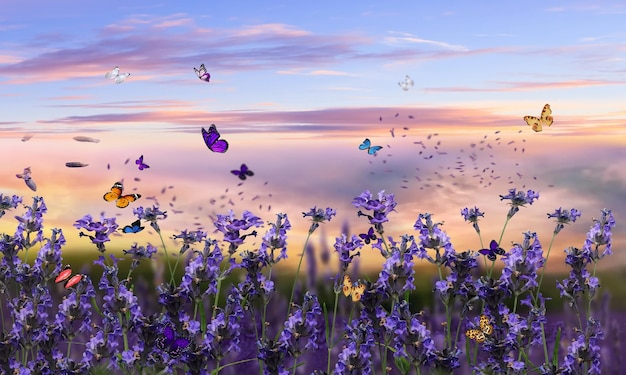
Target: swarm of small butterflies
(537,123)
(480,335)
(355,290)
(115,194)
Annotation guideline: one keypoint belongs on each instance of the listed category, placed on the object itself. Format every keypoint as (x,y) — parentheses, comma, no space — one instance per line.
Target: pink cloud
(528,86)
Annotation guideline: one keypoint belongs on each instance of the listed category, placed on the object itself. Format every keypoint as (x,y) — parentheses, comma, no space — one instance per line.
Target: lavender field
(225,315)
(308,188)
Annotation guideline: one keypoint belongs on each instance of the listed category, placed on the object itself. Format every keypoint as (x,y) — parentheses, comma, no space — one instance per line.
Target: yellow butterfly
(536,123)
(355,290)
(478,335)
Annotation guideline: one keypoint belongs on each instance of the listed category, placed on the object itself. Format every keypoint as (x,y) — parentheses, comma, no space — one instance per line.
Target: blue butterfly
(172,343)
(369,236)
(135,227)
(367,145)
(492,251)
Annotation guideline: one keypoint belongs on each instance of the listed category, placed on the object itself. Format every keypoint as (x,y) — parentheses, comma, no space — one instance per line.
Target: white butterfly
(115,74)
(408,82)
(536,123)
(27,179)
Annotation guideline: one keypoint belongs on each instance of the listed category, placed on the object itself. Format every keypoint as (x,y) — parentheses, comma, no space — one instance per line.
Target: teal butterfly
(367,145)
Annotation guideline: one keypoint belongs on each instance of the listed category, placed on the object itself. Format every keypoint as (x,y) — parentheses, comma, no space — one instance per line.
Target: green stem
(543,270)
(295,280)
(167,259)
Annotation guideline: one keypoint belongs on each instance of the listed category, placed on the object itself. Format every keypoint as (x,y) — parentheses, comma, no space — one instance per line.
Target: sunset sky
(295,88)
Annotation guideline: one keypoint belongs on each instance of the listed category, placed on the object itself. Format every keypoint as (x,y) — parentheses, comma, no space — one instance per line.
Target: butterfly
(408,82)
(65,276)
(212,141)
(202,73)
(369,236)
(171,342)
(140,163)
(367,145)
(492,251)
(354,290)
(27,179)
(242,172)
(135,227)
(115,74)
(478,335)
(536,123)
(115,194)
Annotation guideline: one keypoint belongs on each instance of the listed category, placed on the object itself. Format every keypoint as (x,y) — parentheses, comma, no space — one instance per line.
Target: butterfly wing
(168,336)
(347,285)
(365,145)
(121,78)
(357,292)
(246,171)
(374,149)
(546,119)
(125,200)
(31,184)
(63,275)
(134,227)
(476,335)
(485,326)
(533,122)
(113,73)
(212,141)
(115,192)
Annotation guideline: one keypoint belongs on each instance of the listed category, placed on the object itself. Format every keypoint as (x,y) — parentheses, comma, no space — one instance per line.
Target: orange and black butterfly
(116,195)
(480,335)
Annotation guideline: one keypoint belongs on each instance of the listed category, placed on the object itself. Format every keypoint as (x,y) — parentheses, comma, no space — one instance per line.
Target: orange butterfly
(116,195)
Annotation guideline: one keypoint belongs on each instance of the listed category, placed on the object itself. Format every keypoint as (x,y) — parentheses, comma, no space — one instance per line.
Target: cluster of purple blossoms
(30,222)
(356,356)
(232,228)
(344,247)
(584,351)
(471,215)
(396,277)
(564,217)
(203,270)
(521,264)
(275,239)
(7,203)
(102,229)
(318,216)
(380,208)
(519,199)
(432,237)
(151,214)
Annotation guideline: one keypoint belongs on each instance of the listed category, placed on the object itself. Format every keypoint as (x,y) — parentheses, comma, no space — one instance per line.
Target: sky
(295,89)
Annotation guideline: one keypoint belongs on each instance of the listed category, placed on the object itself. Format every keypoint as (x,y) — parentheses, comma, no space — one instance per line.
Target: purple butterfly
(211,138)
(202,73)
(172,343)
(369,236)
(492,251)
(242,172)
(140,163)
